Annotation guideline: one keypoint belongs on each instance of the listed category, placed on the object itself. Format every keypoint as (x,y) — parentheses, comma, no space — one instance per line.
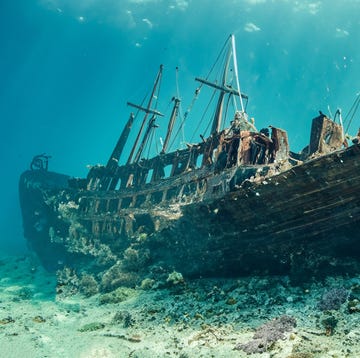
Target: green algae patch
(94,326)
(121,294)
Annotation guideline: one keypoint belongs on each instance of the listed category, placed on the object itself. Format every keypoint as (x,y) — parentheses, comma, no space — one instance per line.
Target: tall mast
(113,161)
(171,124)
(147,110)
(150,127)
(219,108)
(115,155)
(236,71)
(224,88)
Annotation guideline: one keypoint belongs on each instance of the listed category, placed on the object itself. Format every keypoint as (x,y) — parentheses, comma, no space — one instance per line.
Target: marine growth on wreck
(237,201)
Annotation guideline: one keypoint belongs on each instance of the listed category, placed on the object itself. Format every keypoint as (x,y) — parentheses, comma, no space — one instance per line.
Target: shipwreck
(237,201)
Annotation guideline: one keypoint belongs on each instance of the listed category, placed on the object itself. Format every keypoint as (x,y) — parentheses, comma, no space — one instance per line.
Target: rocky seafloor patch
(267,316)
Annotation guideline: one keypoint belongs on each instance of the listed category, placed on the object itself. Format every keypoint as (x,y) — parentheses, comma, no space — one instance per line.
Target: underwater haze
(68,68)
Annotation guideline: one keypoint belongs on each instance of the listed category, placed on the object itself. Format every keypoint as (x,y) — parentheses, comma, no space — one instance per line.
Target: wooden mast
(115,155)
(113,161)
(147,111)
(150,127)
(224,88)
(219,108)
(171,124)
(236,71)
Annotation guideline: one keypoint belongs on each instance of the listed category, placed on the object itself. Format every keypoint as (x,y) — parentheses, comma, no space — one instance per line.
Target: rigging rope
(198,89)
(180,107)
(226,109)
(156,97)
(202,117)
(150,140)
(217,59)
(195,97)
(352,112)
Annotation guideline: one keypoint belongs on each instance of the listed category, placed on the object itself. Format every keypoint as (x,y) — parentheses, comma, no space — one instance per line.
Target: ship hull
(240,221)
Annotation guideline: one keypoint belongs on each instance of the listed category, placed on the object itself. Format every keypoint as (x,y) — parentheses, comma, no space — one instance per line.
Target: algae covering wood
(252,221)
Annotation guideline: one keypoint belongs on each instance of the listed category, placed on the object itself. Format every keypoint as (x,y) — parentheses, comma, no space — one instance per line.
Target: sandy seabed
(199,318)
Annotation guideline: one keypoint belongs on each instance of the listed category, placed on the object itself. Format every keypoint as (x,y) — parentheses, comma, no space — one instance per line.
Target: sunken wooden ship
(238,201)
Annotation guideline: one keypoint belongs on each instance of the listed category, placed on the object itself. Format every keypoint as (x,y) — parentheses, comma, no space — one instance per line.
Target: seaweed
(93,326)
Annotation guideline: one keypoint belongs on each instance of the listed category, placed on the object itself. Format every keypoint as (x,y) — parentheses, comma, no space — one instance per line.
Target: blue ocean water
(69,67)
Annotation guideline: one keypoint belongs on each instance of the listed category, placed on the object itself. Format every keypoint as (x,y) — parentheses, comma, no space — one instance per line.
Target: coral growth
(333,299)
(329,323)
(67,282)
(353,304)
(175,278)
(267,334)
(147,284)
(119,295)
(116,277)
(78,242)
(88,285)
(135,259)
(123,317)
